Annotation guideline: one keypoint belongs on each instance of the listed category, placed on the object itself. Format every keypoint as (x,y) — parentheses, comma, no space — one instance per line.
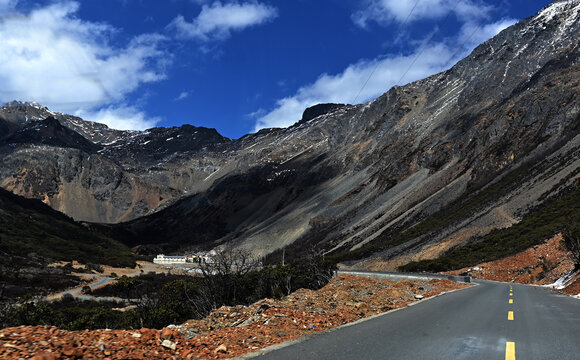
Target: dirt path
(107,277)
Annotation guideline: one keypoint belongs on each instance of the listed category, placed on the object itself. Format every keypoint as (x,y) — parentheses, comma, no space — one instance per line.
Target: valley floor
(96,280)
(228,331)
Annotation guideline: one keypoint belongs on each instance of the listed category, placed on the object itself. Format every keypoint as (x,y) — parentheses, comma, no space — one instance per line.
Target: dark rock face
(354,176)
(50,132)
(317,110)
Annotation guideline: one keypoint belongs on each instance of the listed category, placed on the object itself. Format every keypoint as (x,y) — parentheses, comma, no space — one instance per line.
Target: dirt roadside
(228,331)
(542,264)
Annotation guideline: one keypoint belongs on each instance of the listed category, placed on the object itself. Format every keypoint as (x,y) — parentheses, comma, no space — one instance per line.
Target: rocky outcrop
(318,110)
(50,132)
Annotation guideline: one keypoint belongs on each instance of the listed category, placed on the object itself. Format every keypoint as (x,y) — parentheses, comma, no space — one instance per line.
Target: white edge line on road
(282,345)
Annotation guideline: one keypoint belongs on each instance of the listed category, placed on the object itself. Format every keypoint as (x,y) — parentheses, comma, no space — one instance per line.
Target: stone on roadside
(221,349)
(47,356)
(169,344)
(167,334)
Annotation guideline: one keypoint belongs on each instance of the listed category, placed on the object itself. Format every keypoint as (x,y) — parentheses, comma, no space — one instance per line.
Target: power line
(428,41)
(477,28)
(378,62)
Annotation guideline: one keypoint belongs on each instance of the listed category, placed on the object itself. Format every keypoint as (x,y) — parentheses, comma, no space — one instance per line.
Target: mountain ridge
(352,178)
(31,227)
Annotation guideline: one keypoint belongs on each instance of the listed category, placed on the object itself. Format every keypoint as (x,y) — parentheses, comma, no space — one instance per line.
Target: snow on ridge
(554,8)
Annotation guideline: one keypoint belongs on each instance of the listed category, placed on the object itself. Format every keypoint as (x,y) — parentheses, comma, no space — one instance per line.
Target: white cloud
(182,96)
(472,34)
(121,117)
(386,11)
(218,20)
(51,57)
(345,86)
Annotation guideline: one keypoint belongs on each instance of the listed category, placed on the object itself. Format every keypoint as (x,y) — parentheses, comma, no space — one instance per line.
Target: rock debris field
(228,331)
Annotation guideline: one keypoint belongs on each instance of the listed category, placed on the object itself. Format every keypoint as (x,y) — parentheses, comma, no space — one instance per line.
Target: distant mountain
(98,174)
(425,168)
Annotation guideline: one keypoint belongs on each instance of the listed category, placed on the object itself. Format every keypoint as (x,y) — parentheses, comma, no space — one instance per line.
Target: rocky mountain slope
(424,168)
(32,230)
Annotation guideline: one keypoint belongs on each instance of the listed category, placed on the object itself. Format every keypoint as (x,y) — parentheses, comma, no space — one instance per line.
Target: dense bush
(68,314)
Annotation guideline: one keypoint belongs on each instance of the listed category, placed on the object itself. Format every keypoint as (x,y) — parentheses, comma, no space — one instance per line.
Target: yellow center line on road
(511,294)
(510,315)
(511,301)
(510,350)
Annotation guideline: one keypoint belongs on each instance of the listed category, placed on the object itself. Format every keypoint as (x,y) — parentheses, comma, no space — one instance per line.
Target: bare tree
(572,244)
(220,275)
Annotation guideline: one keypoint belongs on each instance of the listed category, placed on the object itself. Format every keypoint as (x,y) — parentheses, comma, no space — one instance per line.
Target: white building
(166,259)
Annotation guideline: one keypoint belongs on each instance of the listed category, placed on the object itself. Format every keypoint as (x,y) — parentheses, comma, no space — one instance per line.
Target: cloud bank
(51,57)
(345,86)
(122,117)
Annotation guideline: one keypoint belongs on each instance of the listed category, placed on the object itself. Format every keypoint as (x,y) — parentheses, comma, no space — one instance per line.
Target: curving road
(99,280)
(475,323)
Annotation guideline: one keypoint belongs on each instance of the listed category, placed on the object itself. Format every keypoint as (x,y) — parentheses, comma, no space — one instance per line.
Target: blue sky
(233,65)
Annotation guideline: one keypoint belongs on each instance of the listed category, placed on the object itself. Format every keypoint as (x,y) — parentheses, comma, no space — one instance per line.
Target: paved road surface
(468,324)
(77,292)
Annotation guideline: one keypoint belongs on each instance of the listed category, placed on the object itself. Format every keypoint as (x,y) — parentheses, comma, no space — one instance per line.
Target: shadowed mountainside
(29,226)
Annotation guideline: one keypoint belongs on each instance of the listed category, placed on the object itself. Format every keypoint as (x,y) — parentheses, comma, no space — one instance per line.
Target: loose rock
(267,322)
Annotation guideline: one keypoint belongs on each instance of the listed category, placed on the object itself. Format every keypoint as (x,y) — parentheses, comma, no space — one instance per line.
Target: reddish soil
(541,264)
(228,331)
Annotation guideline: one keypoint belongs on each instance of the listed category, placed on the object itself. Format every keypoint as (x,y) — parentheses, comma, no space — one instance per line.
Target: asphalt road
(467,324)
(77,292)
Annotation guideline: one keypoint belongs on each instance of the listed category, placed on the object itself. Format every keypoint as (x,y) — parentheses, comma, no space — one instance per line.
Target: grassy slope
(539,224)
(30,226)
